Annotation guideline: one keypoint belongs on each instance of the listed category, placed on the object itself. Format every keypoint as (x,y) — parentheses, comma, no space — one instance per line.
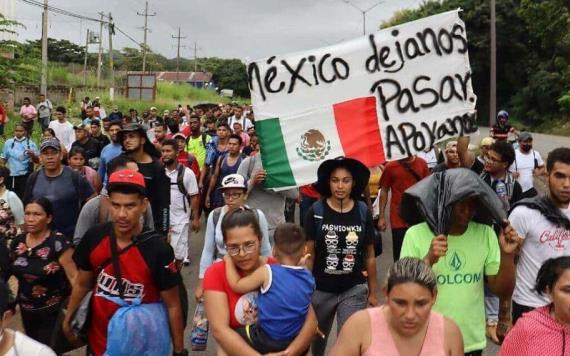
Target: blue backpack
(138,329)
(318,216)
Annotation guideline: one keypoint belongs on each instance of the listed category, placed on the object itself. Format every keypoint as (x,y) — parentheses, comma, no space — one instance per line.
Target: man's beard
(167,160)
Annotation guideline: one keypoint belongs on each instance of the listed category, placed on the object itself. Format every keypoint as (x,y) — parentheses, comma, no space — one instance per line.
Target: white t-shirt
(245,123)
(64,133)
(44,108)
(430,157)
(26,346)
(542,240)
(524,164)
(177,200)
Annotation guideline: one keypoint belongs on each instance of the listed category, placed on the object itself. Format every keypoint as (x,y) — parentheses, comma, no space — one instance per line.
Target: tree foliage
(533,53)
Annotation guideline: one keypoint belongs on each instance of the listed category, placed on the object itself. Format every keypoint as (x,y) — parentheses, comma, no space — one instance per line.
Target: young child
(285,292)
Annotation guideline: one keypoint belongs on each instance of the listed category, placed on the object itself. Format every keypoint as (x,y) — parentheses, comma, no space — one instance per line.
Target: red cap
(127,177)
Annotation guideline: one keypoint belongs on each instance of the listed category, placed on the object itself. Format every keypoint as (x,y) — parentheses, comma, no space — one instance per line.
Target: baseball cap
(80,127)
(523,136)
(127,178)
(153,108)
(233,181)
(179,134)
(487,141)
(50,143)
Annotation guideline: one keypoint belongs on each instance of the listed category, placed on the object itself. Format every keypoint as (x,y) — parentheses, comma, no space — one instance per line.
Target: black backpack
(180,183)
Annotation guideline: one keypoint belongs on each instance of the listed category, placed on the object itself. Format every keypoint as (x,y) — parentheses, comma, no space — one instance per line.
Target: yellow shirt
(196,147)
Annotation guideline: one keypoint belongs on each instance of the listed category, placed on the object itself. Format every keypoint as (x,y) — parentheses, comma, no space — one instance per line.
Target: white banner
(418,73)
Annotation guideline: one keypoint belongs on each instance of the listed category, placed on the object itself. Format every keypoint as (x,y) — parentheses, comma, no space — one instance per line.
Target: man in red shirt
(147,267)
(397,177)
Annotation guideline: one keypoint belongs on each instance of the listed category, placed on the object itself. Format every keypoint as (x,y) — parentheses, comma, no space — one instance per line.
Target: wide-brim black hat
(360,174)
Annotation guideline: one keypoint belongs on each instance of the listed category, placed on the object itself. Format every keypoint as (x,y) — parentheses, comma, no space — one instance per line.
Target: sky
(244,29)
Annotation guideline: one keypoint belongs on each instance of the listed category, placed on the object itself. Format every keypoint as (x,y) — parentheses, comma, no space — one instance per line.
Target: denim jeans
(491,304)
(343,305)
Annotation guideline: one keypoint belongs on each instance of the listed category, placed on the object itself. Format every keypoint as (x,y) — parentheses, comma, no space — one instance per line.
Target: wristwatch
(181,353)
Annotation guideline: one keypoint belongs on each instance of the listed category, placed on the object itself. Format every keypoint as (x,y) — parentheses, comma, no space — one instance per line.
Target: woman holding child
(228,310)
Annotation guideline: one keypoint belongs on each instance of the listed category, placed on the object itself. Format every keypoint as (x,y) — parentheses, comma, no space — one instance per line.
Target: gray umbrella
(431,200)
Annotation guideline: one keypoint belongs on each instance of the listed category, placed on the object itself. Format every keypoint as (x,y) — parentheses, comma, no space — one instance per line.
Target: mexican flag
(383,96)
(292,149)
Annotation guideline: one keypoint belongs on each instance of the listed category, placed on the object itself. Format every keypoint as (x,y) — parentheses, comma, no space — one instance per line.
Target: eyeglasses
(232,195)
(491,160)
(248,248)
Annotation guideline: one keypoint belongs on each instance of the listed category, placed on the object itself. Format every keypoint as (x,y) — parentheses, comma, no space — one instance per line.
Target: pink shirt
(382,342)
(28,112)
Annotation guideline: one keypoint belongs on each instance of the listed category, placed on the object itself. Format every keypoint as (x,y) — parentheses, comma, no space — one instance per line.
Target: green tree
(232,75)
(533,53)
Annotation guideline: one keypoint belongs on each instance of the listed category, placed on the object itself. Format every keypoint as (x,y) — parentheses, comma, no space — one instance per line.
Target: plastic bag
(138,329)
(199,329)
(431,200)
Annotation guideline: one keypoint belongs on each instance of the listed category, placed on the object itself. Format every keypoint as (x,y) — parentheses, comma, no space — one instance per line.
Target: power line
(61,11)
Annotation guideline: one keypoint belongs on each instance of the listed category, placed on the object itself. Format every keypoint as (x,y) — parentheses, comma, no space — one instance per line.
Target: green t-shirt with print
(460,275)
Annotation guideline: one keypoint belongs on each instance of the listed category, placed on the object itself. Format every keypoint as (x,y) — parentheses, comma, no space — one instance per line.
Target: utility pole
(85,60)
(145,28)
(493,78)
(178,54)
(100,52)
(111,33)
(195,57)
(43,84)
(363,11)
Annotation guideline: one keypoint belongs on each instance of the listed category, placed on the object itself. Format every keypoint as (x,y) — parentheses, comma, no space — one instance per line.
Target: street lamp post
(364,12)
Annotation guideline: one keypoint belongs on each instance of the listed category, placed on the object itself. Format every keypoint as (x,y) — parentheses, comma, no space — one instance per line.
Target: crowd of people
(95,222)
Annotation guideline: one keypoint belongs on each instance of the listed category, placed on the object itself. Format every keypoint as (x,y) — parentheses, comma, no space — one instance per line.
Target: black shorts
(260,340)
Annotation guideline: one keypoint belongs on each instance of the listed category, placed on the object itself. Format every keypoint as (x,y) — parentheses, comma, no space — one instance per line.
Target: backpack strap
(318,217)
(31,182)
(216,215)
(180,183)
(204,139)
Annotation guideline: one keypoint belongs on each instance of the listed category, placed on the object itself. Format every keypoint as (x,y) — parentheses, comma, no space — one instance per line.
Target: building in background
(201,80)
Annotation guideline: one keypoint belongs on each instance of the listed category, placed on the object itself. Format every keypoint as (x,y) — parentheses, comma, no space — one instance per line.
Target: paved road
(543,143)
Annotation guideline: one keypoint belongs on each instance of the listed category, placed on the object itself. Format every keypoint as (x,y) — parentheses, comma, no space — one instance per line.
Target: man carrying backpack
(66,189)
(120,260)
(184,200)
(20,153)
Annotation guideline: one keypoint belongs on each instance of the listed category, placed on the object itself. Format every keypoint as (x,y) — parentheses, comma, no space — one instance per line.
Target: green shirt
(459,274)
(196,147)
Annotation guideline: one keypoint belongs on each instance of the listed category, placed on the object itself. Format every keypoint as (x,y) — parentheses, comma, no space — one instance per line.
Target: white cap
(233,181)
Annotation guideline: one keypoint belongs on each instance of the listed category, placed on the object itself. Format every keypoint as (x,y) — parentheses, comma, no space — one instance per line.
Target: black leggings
(40,324)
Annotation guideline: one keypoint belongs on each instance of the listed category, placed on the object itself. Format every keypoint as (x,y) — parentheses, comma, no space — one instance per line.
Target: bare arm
(242,285)
(310,249)
(354,338)
(466,157)
(216,304)
(83,284)
(214,178)
(382,208)
(372,280)
(66,261)
(503,283)
(171,299)
(453,339)
(302,341)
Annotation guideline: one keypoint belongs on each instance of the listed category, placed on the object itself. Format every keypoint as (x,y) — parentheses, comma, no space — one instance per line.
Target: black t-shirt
(158,189)
(477,166)
(340,248)
(4,259)
(92,148)
(501,132)
(147,269)
(103,140)
(41,279)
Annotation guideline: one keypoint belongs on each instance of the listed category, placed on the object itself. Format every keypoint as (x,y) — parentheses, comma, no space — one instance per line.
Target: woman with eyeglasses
(234,192)
(228,310)
(41,261)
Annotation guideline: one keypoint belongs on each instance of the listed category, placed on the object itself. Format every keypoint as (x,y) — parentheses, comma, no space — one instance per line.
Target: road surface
(543,143)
